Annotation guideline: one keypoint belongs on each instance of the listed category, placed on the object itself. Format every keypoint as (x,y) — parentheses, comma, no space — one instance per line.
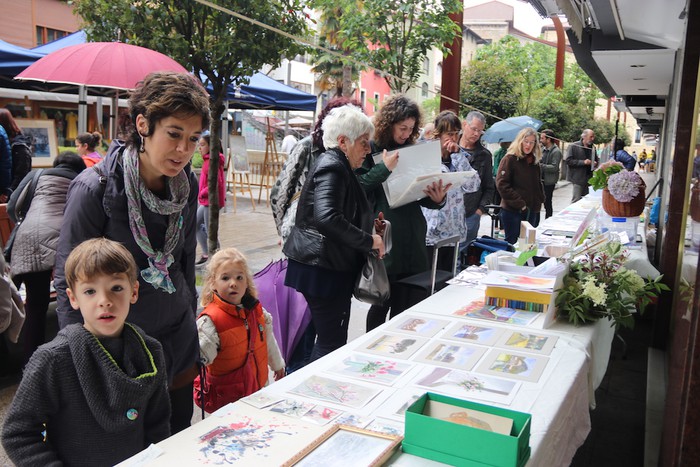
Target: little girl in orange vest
(235,335)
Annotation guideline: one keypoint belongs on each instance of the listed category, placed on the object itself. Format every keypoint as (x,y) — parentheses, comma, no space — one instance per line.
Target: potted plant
(623,190)
(599,286)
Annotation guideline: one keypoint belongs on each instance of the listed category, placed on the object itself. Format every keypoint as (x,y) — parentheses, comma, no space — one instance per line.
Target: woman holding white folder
(397,125)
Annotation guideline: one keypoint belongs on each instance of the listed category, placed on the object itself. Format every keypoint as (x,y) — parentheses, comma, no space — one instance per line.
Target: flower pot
(614,208)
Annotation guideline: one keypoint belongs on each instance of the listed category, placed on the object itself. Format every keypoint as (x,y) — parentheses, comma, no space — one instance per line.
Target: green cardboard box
(462,445)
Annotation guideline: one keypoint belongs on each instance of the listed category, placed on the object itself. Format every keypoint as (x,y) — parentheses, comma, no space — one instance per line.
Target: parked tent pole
(82,109)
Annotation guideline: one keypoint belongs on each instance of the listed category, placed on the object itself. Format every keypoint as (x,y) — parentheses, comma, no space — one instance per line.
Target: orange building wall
(19,19)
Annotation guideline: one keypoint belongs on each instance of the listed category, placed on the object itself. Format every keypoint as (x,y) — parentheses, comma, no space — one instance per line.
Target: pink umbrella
(114,65)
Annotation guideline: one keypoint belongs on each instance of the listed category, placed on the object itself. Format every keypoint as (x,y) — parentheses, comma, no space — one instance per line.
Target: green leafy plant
(599,180)
(599,286)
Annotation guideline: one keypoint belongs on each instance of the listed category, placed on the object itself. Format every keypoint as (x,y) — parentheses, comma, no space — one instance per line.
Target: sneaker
(201,260)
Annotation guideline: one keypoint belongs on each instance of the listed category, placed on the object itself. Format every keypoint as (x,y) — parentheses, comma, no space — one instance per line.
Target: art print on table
(261,400)
(451,354)
(418,325)
(338,392)
(477,334)
(321,415)
(394,345)
(351,419)
(246,439)
(462,384)
(395,407)
(373,369)
(513,365)
(469,307)
(528,342)
(387,427)
(292,408)
(503,315)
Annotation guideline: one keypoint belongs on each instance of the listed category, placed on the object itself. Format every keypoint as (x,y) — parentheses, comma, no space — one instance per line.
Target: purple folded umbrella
(289,310)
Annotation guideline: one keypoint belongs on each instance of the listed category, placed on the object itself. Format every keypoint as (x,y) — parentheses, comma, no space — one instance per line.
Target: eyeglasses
(477,130)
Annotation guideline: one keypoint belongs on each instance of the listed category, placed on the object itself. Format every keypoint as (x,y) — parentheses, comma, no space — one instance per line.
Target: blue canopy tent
(78,37)
(263,92)
(14,59)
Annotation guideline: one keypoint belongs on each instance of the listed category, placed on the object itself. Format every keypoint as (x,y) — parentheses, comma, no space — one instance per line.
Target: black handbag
(372,284)
(21,209)
(305,245)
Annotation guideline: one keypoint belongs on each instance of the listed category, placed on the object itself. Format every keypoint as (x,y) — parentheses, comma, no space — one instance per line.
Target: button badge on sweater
(132,414)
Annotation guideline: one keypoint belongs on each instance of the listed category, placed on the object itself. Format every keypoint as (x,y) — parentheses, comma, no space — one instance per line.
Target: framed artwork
(528,342)
(473,333)
(451,354)
(525,367)
(418,325)
(43,134)
(462,384)
(373,369)
(338,392)
(347,445)
(394,345)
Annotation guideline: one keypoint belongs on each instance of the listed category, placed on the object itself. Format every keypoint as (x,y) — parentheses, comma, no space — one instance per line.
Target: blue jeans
(202,223)
(510,222)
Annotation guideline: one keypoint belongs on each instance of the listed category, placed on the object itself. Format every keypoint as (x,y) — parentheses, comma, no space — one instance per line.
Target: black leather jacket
(332,204)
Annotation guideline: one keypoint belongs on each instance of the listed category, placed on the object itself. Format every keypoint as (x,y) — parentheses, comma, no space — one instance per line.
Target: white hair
(348,121)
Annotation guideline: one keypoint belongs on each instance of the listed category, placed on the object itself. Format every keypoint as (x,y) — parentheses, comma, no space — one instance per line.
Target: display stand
(271,164)
(238,169)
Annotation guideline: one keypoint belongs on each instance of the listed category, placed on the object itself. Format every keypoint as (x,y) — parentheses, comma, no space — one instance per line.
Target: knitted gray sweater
(96,409)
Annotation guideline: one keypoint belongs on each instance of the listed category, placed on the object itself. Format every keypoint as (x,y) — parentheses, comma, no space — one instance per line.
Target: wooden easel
(271,163)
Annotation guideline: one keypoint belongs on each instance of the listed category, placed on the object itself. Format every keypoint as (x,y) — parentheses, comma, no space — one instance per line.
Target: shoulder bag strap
(22,209)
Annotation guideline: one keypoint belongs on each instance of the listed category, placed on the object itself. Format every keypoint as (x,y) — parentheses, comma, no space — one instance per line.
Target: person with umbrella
(480,159)
(144,196)
(520,185)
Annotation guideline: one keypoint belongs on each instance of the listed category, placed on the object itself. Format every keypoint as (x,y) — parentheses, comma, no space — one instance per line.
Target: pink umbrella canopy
(114,65)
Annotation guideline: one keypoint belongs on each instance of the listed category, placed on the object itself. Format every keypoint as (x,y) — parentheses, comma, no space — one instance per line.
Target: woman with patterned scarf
(144,196)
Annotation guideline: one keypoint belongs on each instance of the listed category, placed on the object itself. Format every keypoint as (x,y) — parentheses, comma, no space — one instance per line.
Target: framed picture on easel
(44,145)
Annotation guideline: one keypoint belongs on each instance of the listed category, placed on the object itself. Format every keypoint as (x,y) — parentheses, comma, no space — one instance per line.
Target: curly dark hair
(165,94)
(395,109)
(317,134)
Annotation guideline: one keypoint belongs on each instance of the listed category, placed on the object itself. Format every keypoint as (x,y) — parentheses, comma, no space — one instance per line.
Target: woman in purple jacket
(144,196)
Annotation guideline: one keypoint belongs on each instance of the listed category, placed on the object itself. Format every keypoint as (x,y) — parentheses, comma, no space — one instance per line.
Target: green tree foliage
(395,35)
(209,42)
(490,86)
(530,69)
(334,74)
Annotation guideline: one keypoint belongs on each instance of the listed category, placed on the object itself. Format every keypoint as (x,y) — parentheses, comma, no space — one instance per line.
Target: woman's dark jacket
(333,205)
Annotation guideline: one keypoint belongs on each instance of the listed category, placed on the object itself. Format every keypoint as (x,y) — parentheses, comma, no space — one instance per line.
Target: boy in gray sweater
(96,394)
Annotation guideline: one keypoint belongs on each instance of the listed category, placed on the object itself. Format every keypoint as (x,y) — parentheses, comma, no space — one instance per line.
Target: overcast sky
(526,18)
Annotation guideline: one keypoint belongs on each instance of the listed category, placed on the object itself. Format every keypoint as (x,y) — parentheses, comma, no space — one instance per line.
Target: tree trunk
(212,178)
(347,81)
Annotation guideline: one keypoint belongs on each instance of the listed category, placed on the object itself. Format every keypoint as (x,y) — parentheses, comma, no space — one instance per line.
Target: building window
(426,65)
(45,35)
(638,136)
(424,90)
(376,101)
(363,97)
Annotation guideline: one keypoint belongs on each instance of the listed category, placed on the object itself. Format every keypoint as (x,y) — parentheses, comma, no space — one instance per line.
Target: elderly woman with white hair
(332,234)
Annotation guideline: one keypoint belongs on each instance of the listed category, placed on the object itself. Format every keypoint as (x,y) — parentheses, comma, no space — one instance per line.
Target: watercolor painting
(260,399)
(536,343)
(418,325)
(373,369)
(292,408)
(477,334)
(321,415)
(338,392)
(469,307)
(351,419)
(512,365)
(395,345)
(395,407)
(463,383)
(503,315)
(452,354)
(243,439)
(387,427)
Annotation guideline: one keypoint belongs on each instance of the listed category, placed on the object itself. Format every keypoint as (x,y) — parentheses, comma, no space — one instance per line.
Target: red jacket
(230,322)
(204,187)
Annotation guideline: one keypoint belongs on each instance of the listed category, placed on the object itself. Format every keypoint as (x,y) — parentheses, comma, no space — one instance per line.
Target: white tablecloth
(558,402)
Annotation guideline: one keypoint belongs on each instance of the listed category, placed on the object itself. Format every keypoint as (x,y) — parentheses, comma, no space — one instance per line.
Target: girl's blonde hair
(516,147)
(220,257)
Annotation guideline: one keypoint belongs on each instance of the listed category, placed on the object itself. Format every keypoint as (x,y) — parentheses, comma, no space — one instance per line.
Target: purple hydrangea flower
(624,185)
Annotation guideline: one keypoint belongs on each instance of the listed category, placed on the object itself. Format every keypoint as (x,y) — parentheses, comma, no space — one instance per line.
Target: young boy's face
(230,282)
(104,302)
